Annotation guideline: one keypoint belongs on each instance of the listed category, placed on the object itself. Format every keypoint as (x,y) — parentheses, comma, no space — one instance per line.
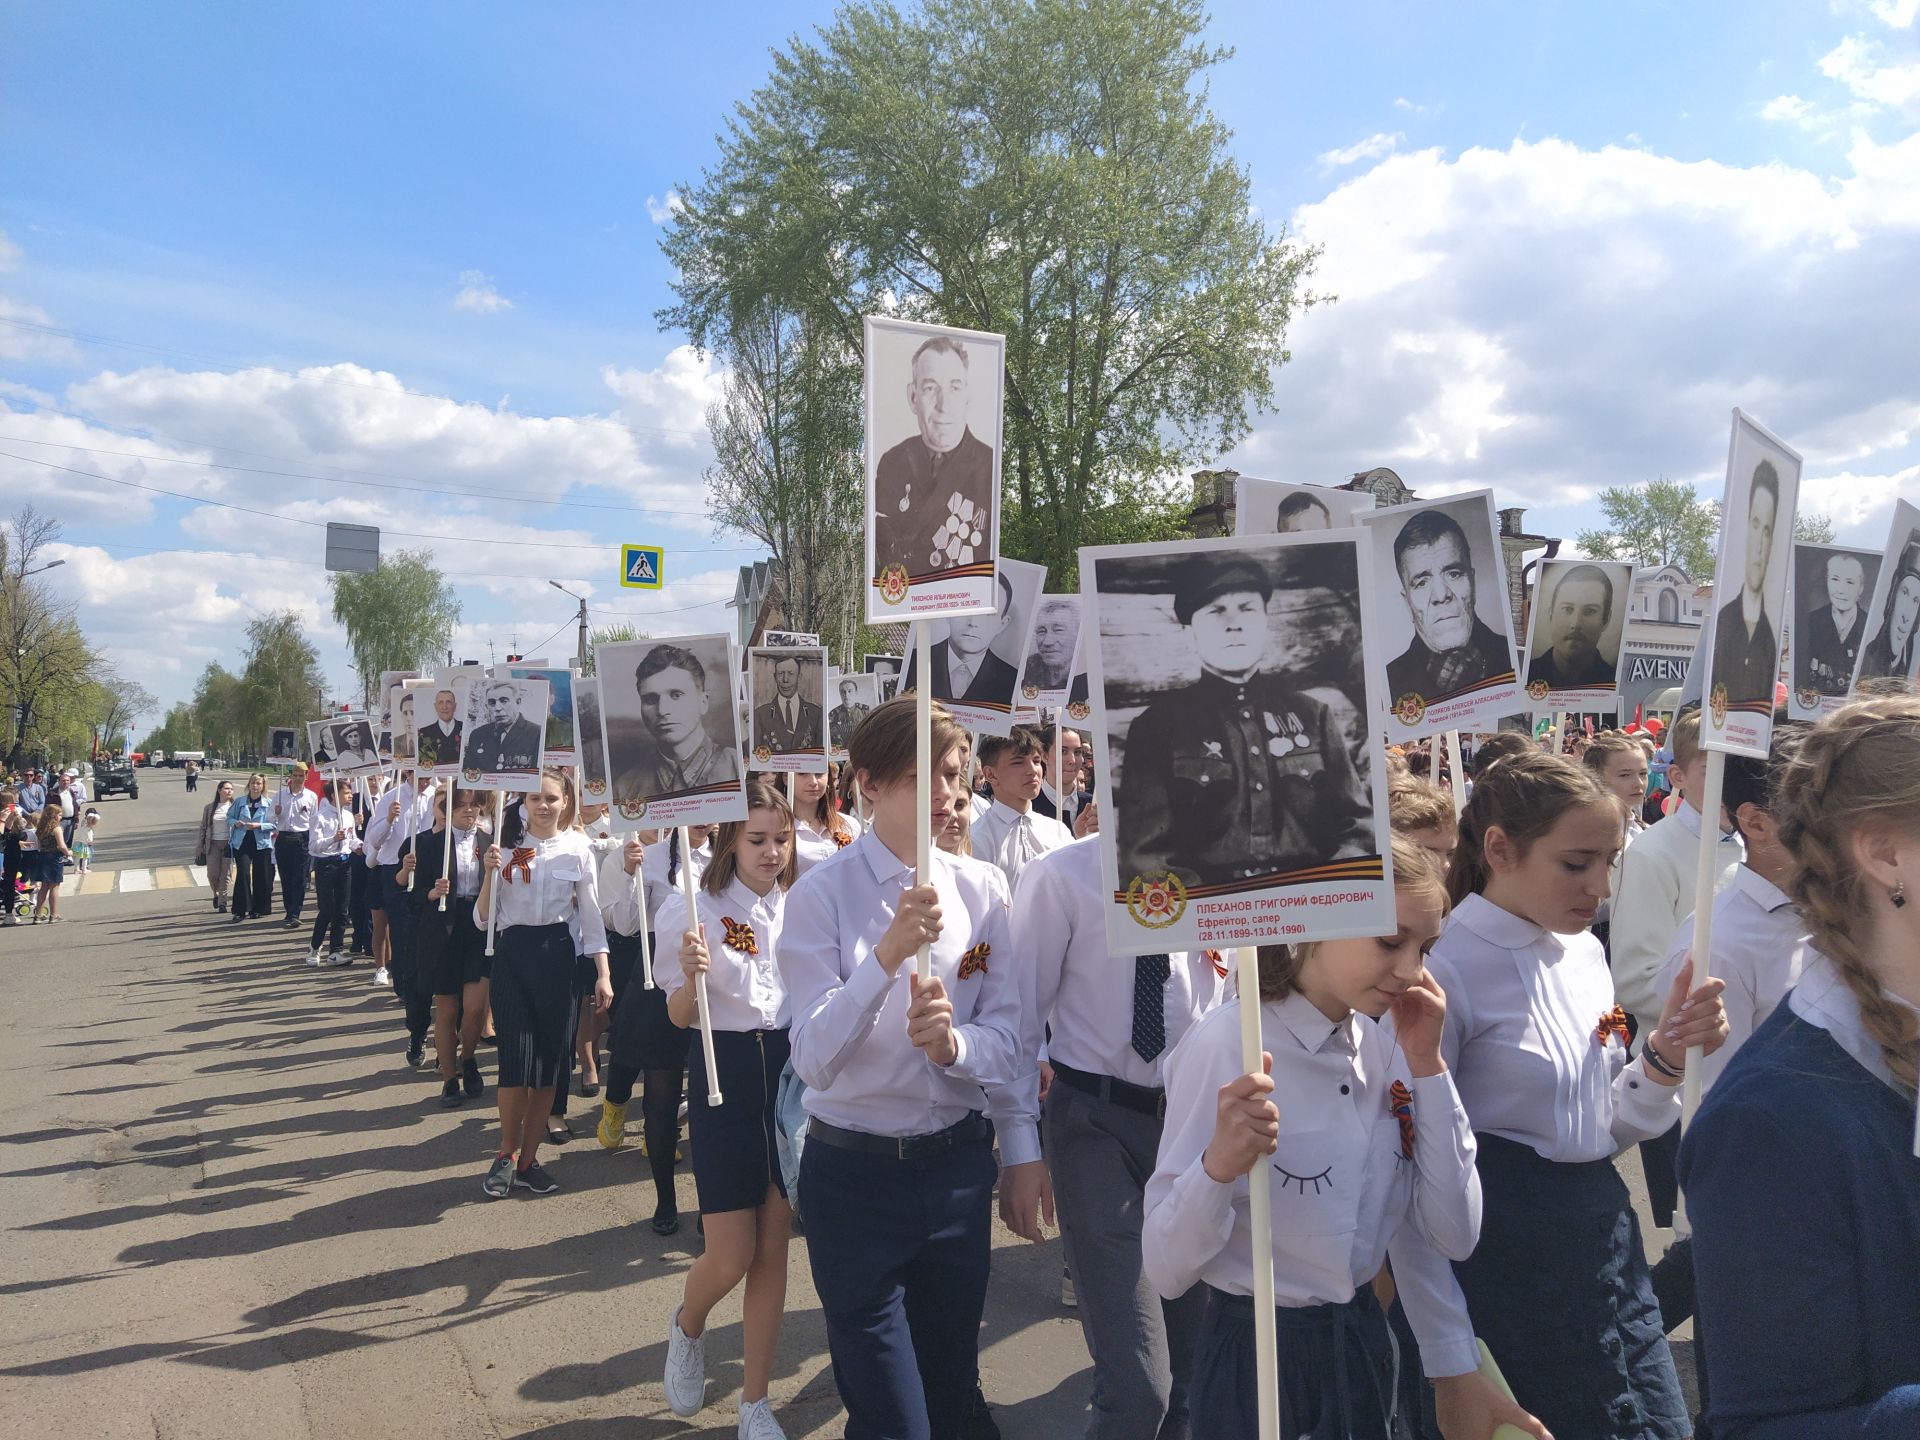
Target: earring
(1899,895)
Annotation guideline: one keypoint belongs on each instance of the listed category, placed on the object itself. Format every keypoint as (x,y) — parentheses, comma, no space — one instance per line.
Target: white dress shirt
(812,845)
(1822,998)
(293,810)
(561,888)
(850,1041)
(331,834)
(1343,1193)
(653,873)
(744,988)
(623,897)
(1524,1007)
(387,838)
(1757,940)
(1073,983)
(1013,839)
(1656,894)
(467,846)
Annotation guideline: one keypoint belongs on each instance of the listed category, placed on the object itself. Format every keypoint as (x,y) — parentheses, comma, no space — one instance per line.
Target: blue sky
(416,246)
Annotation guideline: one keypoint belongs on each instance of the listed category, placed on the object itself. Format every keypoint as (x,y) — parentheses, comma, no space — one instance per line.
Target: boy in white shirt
(1012,832)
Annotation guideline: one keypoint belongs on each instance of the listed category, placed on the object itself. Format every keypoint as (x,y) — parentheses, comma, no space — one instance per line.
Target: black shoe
(536,1179)
(560,1136)
(470,1076)
(450,1096)
(237,918)
(291,924)
(416,1054)
(666,1222)
(589,1091)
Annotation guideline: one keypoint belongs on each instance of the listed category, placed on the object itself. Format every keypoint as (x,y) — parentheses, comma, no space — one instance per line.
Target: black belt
(1147,1099)
(902,1147)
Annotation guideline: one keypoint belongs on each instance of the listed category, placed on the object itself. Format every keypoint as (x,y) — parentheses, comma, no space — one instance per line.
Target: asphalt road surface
(231,1210)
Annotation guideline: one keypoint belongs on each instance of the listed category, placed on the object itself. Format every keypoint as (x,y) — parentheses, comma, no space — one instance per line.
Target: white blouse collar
(1312,1029)
(1498,926)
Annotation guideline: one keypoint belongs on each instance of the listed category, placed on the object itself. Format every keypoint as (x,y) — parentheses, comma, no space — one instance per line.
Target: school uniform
(812,843)
(735,1149)
(1538,1051)
(1113,1021)
(1012,839)
(547,913)
(896,1178)
(622,908)
(1804,1193)
(387,841)
(330,847)
(643,1035)
(293,810)
(451,951)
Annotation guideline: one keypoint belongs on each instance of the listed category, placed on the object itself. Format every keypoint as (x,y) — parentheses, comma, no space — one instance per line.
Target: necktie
(1150,974)
(1020,846)
(789,709)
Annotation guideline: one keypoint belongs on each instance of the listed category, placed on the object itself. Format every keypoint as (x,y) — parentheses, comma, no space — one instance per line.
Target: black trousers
(360,884)
(290,854)
(404,961)
(10,879)
(253,881)
(330,882)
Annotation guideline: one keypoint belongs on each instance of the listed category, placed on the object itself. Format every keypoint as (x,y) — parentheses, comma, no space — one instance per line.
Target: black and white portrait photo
(1236,739)
(559,724)
(975,660)
(885,669)
(591,739)
(1051,643)
(439,719)
(671,731)
(1277,507)
(1890,652)
(351,743)
(1749,592)
(787,693)
(283,745)
(789,639)
(854,698)
(1573,642)
(1832,590)
(933,399)
(1445,629)
(320,744)
(503,746)
(401,702)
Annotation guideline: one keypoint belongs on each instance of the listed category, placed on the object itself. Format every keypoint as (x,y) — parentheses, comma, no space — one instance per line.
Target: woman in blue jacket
(251,838)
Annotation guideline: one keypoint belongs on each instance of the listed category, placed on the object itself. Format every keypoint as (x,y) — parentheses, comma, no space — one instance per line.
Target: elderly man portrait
(845,717)
(1452,647)
(506,740)
(1055,628)
(440,741)
(934,490)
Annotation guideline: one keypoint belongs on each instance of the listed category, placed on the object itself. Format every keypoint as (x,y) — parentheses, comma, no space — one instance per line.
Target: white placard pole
(700,980)
(500,875)
(923,777)
(1059,775)
(1456,774)
(413,818)
(1259,1210)
(646,923)
(1703,877)
(1559,732)
(446,858)
(860,802)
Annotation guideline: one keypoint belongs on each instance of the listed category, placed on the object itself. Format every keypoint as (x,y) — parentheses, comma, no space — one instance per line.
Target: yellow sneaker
(613,1125)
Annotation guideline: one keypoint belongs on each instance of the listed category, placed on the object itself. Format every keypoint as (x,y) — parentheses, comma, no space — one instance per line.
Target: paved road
(231,1210)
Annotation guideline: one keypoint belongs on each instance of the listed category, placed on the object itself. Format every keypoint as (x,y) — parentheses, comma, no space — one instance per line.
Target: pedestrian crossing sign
(640,566)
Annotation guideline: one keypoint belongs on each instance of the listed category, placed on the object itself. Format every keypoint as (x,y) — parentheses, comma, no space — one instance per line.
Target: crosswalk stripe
(198,874)
(172,877)
(132,880)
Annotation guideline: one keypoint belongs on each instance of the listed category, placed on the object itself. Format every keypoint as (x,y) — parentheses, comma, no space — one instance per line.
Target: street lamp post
(582,647)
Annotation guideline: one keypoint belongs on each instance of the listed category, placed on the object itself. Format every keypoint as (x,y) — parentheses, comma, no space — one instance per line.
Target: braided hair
(1524,796)
(1858,767)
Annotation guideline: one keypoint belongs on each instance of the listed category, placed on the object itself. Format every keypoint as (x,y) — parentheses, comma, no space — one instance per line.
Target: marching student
(1538,1049)
(546,909)
(956,836)
(820,830)
(1371,1155)
(451,950)
(896,1179)
(1800,1175)
(386,841)
(733,937)
(591,1024)
(1073,750)
(646,1046)
(292,820)
(1012,834)
(1621,763)
(1424,813)
(330,847)
(1104,1113)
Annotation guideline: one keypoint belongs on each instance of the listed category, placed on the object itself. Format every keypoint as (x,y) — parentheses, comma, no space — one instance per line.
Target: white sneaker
(339,958)
(1069,1297)
(313,956)
(686,1378)
(757,1422)
(380,976)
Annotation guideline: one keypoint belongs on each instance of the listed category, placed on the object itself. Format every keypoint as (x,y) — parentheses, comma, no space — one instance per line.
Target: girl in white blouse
(1558,1287)
(1369,1153)
(732,938)
(545,901)
(819,829)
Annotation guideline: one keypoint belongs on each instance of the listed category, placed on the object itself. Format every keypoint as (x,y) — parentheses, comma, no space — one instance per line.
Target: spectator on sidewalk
(13,826)
(251,830)
(212,850)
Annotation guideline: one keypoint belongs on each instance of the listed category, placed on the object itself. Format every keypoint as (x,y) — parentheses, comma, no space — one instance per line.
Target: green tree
(216,706)
(114,702)
(609,634)
(281,682)
(398,617)
(1813,528)
(1660,523)
(1046,169)
(46,665)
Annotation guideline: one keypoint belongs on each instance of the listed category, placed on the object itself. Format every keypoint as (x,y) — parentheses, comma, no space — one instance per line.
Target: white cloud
(660,211)
(1790,110)
(1413,107)
(1861,66)
(1897,14)
(1374,147)
(477,293)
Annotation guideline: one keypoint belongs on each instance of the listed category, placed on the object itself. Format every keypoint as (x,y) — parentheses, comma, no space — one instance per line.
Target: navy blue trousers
(900,1250)
(404,963)
(290,858)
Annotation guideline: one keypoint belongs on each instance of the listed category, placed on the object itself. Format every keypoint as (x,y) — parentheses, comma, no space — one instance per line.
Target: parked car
(115,778)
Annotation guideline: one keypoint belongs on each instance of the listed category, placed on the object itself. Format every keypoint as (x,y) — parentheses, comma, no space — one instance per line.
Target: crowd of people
(45,825)
(1441,1109)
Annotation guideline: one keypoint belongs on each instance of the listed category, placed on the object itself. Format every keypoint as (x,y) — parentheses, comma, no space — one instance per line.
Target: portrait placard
(560,719)
(933,469)
(320,745)
(1573,640)
(1280,507)
(854,697)
(504,744)
(1832,603)
(975,660)
(1053,640)
(590,738)
(1441,602)
(354,748)
(1237,720)
(787,695)
(283,744)
(670,727)
(886,669)
(1890,652)
(401,702)
(1749,592)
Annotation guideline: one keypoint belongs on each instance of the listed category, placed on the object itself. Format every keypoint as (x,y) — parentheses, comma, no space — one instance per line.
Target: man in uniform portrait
(1746,644)
(845,717)
(1829,646)
(1578,613)
(787,722)
(680,754)
(1452,647)
(440,741)
(1240,775)
(934,490)
(508,740)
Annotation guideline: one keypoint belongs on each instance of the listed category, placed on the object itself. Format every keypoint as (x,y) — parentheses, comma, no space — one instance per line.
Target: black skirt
(1336,1371)
(1559,1290)
(623,954)
(452,949)
(643,1036)
(736,1154)
(534,1013)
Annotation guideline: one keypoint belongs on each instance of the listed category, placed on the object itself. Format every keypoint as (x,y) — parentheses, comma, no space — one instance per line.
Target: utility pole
(581,648)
